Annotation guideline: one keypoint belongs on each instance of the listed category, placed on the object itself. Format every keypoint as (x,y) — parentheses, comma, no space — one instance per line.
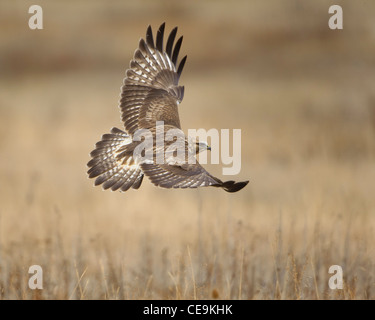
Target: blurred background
(303,96)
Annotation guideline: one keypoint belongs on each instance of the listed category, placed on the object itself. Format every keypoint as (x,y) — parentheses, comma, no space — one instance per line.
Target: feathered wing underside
(181,171)
(151,87)
(112,162)
(171,176)
(159,105)
(186,176)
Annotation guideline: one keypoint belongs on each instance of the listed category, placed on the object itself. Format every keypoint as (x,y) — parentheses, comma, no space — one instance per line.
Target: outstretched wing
(186,176)
(151,92)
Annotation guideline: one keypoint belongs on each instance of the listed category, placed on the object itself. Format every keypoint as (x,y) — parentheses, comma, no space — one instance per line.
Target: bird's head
(202,146)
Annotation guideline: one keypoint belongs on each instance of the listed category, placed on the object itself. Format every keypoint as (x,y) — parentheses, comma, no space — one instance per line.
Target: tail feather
(112,163)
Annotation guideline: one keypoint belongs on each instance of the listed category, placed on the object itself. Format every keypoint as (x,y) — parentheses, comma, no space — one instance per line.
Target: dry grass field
(303,96)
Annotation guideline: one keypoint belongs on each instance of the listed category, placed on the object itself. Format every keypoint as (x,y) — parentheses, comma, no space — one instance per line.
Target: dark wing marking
(112,164)
(151,84)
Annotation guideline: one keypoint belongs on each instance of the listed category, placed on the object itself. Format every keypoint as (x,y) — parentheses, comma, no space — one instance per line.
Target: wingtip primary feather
(232,186)
(181,66)
(159,37)
(149,37)
(176,50)
(170,42)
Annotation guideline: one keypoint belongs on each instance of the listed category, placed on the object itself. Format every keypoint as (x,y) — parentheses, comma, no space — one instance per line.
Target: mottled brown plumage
(151,93)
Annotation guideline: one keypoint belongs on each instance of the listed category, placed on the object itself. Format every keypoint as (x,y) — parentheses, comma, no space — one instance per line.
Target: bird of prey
(151,93)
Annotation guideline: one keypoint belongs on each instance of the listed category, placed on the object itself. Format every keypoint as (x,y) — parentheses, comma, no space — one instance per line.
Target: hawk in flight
(151,93)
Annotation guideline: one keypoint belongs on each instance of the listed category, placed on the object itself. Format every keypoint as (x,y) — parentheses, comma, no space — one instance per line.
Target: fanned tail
(112,162)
